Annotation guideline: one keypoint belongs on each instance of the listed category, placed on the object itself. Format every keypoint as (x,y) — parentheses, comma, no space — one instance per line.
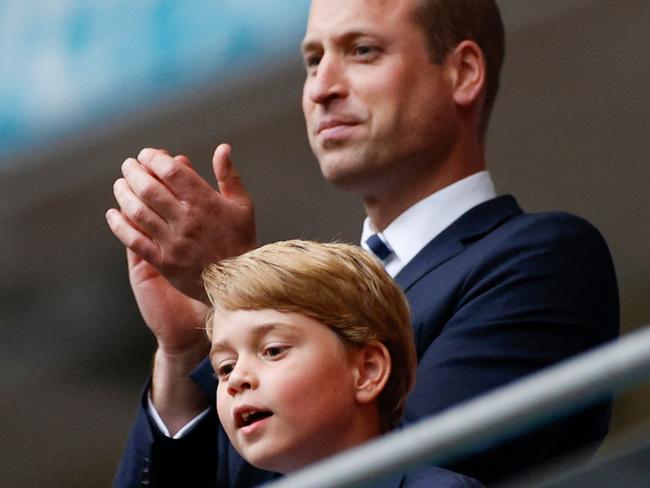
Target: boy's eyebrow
(259,331)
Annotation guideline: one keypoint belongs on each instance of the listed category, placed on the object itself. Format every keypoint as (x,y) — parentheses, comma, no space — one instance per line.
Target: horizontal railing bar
(484,420)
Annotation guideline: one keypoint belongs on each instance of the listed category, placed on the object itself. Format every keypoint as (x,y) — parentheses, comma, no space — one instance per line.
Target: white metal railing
(532,400)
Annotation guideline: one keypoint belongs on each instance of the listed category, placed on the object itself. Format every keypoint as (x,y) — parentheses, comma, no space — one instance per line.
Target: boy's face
(286,394)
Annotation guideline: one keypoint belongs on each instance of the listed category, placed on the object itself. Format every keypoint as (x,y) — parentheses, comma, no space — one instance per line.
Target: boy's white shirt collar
(407,235)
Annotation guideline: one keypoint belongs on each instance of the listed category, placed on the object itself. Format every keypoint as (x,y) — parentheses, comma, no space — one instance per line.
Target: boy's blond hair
(340,285)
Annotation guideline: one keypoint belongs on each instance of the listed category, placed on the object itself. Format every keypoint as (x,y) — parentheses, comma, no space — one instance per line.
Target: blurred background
(85,84)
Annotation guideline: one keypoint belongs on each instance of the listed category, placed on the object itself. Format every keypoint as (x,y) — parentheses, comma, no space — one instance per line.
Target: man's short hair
(447,23)
(341,286)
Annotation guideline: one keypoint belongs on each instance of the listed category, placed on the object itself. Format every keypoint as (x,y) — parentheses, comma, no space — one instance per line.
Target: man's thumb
(230,184)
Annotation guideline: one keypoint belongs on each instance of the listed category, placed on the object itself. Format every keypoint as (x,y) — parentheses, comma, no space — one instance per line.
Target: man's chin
(344,180)
(343,170)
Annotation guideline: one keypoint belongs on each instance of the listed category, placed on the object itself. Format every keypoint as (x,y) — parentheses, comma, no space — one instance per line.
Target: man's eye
(364,50)
(311,61)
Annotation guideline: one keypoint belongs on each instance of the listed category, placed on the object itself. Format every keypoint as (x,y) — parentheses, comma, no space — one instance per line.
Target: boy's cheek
(223,408)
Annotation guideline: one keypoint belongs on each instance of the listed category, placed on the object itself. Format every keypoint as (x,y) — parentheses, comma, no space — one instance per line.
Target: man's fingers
(149,190)
(140,270)
(131,258)
(131,237)
(230,184)
(139,214)
(184,160)
(177,175)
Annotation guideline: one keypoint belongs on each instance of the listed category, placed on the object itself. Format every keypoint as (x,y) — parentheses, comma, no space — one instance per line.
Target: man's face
(375,105)
(286,390)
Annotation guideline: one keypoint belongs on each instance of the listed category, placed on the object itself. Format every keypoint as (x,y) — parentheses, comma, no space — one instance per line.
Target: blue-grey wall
(65,64)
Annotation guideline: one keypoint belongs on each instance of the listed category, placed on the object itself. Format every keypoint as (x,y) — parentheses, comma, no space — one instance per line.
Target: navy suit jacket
(497,295)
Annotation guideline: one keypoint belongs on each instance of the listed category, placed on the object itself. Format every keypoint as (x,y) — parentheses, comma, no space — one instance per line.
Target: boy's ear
(373,370)
(468,68)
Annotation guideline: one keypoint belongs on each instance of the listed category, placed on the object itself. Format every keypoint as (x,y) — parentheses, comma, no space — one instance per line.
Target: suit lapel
(473,224)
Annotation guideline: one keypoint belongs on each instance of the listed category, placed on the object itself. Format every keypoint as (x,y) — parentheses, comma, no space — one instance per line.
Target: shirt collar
(407,235)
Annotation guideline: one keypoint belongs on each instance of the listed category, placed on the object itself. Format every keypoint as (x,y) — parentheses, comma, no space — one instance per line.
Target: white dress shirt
(405,237)
(417,226)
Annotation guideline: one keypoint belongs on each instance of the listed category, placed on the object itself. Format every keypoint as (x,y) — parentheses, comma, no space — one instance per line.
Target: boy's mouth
(246,416)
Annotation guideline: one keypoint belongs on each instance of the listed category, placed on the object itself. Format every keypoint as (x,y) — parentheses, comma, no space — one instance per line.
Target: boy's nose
(241,379)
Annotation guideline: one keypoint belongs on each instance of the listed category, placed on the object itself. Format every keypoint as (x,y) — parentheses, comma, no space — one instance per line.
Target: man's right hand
(178,323)
(176,221)
(173,223)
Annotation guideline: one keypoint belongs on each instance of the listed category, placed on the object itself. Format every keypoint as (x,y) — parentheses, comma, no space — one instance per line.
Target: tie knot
(378,247)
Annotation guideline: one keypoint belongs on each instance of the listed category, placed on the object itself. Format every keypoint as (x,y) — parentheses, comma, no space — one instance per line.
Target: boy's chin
(277,461)
(273,464)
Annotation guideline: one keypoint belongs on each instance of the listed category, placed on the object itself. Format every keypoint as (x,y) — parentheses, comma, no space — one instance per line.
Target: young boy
(313,349)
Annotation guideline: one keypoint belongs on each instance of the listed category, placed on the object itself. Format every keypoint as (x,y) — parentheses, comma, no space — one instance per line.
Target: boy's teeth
(248,418)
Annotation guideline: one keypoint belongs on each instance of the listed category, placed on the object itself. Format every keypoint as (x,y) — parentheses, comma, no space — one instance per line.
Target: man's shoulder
(555,222)
(497,237)
(552,228)
(554,241)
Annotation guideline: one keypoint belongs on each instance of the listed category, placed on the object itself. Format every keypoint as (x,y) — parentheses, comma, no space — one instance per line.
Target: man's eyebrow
(312,44)
(309,45)
(259,331)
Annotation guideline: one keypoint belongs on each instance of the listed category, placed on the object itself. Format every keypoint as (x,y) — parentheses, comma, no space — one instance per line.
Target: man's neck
(382,207)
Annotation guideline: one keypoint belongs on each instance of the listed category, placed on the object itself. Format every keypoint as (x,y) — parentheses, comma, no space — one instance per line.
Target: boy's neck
(364,428)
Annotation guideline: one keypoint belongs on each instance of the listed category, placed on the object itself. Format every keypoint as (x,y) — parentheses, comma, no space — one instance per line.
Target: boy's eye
(223,370)
(272,352)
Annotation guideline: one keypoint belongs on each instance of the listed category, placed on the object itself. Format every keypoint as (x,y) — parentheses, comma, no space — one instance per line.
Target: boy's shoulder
(428,477)
(432,477)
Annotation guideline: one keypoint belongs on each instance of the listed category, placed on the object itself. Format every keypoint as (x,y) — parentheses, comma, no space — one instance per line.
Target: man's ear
(373,365)
(468,70)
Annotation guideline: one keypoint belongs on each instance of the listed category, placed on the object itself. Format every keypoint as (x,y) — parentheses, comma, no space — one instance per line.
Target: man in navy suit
(396,99)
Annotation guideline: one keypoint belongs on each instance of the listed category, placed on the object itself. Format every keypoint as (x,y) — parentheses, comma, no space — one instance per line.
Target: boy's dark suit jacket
(497,295)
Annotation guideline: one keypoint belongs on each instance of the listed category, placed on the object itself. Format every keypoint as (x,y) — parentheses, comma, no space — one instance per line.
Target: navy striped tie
(378,247)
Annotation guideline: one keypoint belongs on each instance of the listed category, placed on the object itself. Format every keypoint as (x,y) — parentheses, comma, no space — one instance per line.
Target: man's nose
(328,81)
